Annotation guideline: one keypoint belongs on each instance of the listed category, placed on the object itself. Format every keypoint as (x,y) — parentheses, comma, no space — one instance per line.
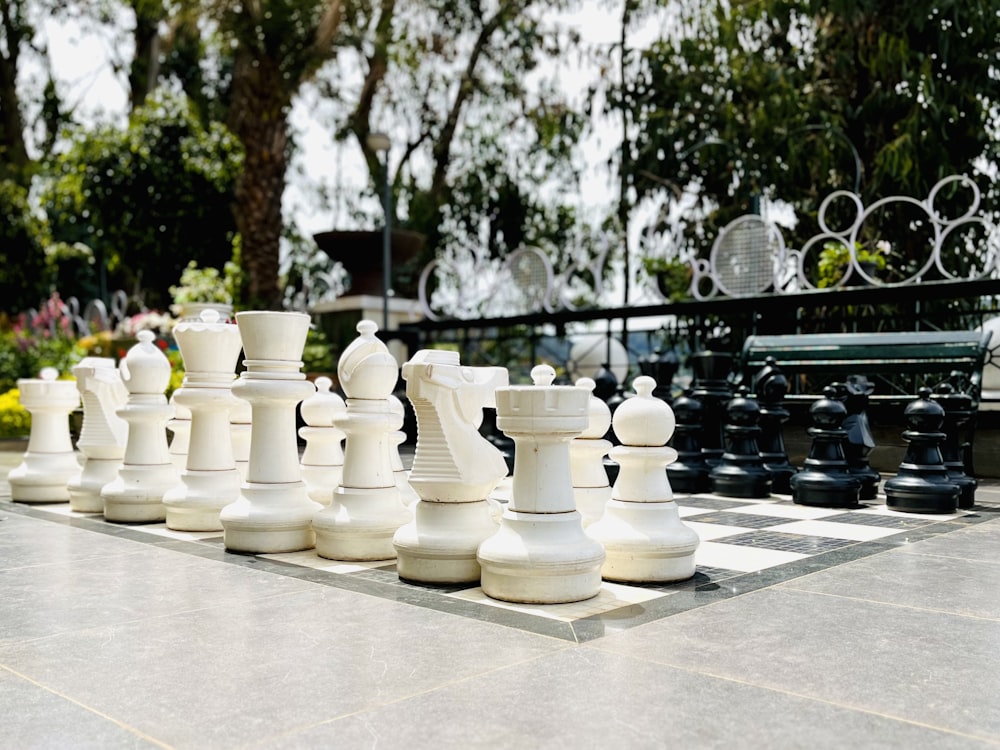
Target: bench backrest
(878,356)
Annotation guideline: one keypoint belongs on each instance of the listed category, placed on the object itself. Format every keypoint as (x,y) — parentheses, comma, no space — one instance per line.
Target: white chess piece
(540,554)
(50,462)
(240,428)
(366,509)
(103,433)
(641,530)
(407,494)
(454,469)
(273,512)
(146,473)
(179,426)
(323,458)
(209,480)
(591,488)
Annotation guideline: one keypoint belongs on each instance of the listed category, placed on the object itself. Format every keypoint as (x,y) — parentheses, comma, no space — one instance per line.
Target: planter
(361,255)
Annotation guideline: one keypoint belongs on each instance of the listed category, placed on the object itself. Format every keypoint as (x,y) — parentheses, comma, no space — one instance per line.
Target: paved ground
(118,637)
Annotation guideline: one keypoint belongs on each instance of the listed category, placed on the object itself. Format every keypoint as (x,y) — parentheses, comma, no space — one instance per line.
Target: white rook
(49,463)
(540,554)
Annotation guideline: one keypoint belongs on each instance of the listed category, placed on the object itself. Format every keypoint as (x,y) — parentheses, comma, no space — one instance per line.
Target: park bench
(898,364)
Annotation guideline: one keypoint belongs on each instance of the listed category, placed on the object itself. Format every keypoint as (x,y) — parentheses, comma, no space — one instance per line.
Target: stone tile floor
(803,627)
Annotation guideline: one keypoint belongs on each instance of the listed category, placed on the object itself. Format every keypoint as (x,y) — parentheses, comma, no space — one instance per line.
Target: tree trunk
(258,116)
(14,159)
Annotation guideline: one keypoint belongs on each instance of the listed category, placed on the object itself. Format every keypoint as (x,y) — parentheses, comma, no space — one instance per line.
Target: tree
(278,46)
(769,98)
(477,131)
(147,199)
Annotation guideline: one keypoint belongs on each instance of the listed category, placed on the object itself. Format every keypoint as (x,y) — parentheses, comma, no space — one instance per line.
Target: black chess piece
(741,471)
(922,484)
(713,390)
(689,473)
(661,366)
(771,387)
(825,479)
(959,411)
(859,441)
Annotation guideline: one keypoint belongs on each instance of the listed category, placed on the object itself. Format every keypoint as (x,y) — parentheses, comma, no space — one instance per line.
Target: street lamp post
(379,142)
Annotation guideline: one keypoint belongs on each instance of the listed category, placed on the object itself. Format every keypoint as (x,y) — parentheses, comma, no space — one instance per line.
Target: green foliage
(149,198)
(673,276)
(769,98)
(318,354)
(23,273)
(15,420)
(834,259)
(206,284)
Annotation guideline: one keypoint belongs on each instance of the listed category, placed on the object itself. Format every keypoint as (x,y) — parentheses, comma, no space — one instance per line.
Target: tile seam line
(117,722)
(992,739)
(943,556)
(789,585)
(385,704)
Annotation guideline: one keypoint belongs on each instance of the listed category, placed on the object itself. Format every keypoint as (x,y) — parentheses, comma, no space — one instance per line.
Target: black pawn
(689,473)
(661,367)
(922,484)
(959,411)
(712,388)
(741,471)
(825,479)
(771,388)
(859,441)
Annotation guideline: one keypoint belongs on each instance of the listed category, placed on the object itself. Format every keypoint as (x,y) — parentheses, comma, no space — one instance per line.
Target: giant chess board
(745,545)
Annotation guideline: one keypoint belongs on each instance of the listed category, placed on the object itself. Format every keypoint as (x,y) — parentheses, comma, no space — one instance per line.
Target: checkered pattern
(737,537)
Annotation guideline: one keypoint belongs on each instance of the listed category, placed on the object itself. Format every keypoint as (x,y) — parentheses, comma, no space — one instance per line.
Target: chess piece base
(645,542)
(85,490)
(749,482)
(824,490)
(321,481)
(360,523)
(440,544)
(43,477)
(590,502)
(270,518)
(541,558)
(195,504)
(914,494)
(688,479)
(136,494)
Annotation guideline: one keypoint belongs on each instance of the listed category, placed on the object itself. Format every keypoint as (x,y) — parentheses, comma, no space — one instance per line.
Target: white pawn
(179,426)
(240,428)
(454,469)
(591,487)
(49,463)
(366,509)
(540,554)
(407,494)
(641,529)
(273,512)
(209,480)
(136,494)
(323,458)
(103,433)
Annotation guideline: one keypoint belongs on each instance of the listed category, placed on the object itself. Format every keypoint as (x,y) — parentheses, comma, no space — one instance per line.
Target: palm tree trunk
(258,116)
